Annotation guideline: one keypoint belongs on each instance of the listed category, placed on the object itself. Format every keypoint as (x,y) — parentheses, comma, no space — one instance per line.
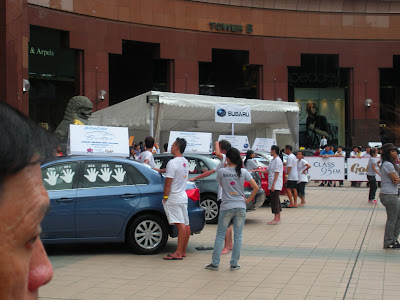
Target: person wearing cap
(389,195)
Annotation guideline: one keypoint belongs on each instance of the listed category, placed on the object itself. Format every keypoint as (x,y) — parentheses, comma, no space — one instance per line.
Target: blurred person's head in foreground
(24,265)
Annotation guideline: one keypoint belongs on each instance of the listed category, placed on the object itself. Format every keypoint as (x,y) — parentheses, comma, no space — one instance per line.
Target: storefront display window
(51,75)
(322,113)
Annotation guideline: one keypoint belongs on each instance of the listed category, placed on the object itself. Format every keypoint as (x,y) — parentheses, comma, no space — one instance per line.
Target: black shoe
(329,184)
(396,242)
(322,184)
(393,246)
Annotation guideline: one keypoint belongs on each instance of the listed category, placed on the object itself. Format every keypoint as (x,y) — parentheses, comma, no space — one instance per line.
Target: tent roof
(187,112)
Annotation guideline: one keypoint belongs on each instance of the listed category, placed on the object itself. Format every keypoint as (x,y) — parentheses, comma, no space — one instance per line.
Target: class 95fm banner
(331,168)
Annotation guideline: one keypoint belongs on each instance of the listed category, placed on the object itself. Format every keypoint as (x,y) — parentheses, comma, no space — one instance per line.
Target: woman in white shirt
(372,170)
(302,167)
(275,184)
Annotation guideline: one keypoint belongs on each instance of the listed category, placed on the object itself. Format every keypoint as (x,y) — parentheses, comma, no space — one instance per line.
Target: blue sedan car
(109,199)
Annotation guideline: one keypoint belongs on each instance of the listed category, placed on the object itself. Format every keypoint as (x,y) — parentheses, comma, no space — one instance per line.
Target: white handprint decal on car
(51,178)
(119,174)
(92,174)
(68,175)
(192,166)
(105,174)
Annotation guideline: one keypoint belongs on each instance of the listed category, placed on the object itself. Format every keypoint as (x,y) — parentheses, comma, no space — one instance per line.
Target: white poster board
(331,168)
(232,114)
(263,144)
(196,142)
(241,142)
(357,169)
(98,140)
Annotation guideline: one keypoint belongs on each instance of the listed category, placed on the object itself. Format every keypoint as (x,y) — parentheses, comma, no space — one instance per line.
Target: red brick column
(14,33)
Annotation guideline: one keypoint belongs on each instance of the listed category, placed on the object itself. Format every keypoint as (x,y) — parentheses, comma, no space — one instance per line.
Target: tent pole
(233,128)
(151,119)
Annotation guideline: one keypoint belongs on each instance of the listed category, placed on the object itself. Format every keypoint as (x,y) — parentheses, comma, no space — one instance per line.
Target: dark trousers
(275,202)
(372,187)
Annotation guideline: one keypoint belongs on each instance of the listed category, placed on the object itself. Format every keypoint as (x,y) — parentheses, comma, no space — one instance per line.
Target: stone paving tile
(312,255)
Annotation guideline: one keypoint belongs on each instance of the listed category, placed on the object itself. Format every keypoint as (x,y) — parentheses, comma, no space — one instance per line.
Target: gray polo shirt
(388,187)
(232,187)
(251,165)
(370,170)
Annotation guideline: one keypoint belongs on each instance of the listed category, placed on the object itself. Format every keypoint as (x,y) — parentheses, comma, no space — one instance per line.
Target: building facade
(330,56)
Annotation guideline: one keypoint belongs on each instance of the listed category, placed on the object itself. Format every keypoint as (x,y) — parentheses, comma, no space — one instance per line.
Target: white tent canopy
(187,112)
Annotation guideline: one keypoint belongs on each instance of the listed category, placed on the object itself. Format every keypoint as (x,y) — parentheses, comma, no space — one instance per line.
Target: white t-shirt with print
(301,166)
(147,155)
(292,162)
(178,170)
(275,166)
(222,164)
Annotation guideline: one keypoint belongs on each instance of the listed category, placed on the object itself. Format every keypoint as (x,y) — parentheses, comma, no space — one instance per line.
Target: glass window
(137,177)
(159,162)
(193,168)
(203,167)
(59,177)
(104,174)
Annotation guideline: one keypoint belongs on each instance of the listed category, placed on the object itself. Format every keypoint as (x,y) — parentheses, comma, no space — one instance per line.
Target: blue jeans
(238,216)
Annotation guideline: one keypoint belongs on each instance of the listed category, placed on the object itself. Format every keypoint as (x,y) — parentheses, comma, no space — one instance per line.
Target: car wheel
(211,206)
(147,234)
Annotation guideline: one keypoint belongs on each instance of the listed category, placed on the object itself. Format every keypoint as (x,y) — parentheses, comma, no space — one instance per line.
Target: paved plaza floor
(329,249)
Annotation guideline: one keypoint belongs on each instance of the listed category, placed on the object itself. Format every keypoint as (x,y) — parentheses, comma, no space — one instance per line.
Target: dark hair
(166,147)
(339,147)
(149,142)
(385,156)
(275,148)
(234,156)
(373,151)
(224,145)
(21,141)
(248,156)
(289,147)
(182,144)
(302,152)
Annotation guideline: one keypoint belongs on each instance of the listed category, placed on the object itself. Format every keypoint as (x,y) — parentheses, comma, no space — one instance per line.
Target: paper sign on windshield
(241,142)
(196,142)
(263,144)
(98,140)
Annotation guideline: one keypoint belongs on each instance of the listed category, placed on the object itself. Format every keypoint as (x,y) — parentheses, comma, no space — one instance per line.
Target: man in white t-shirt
(323,142)
(291,176)
(147,155)
(220,150)
(175,199)
(367,152)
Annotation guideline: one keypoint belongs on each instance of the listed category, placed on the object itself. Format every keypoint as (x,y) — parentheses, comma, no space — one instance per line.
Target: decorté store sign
(231,27)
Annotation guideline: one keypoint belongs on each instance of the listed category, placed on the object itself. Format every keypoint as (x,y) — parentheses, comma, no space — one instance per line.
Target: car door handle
(64,200)
(198,181)
(128,196)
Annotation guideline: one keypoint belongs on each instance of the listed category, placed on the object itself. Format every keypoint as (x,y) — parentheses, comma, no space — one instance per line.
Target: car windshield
(213,161)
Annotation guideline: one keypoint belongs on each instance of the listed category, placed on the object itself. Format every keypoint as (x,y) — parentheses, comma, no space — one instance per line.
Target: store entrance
(322,90)
(137,70)
(390,102)
(52,73)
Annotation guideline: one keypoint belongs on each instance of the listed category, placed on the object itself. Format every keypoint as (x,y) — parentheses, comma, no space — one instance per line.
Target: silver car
(198,164)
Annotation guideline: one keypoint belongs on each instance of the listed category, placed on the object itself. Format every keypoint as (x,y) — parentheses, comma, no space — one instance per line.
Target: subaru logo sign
(221,112)
(246,146)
